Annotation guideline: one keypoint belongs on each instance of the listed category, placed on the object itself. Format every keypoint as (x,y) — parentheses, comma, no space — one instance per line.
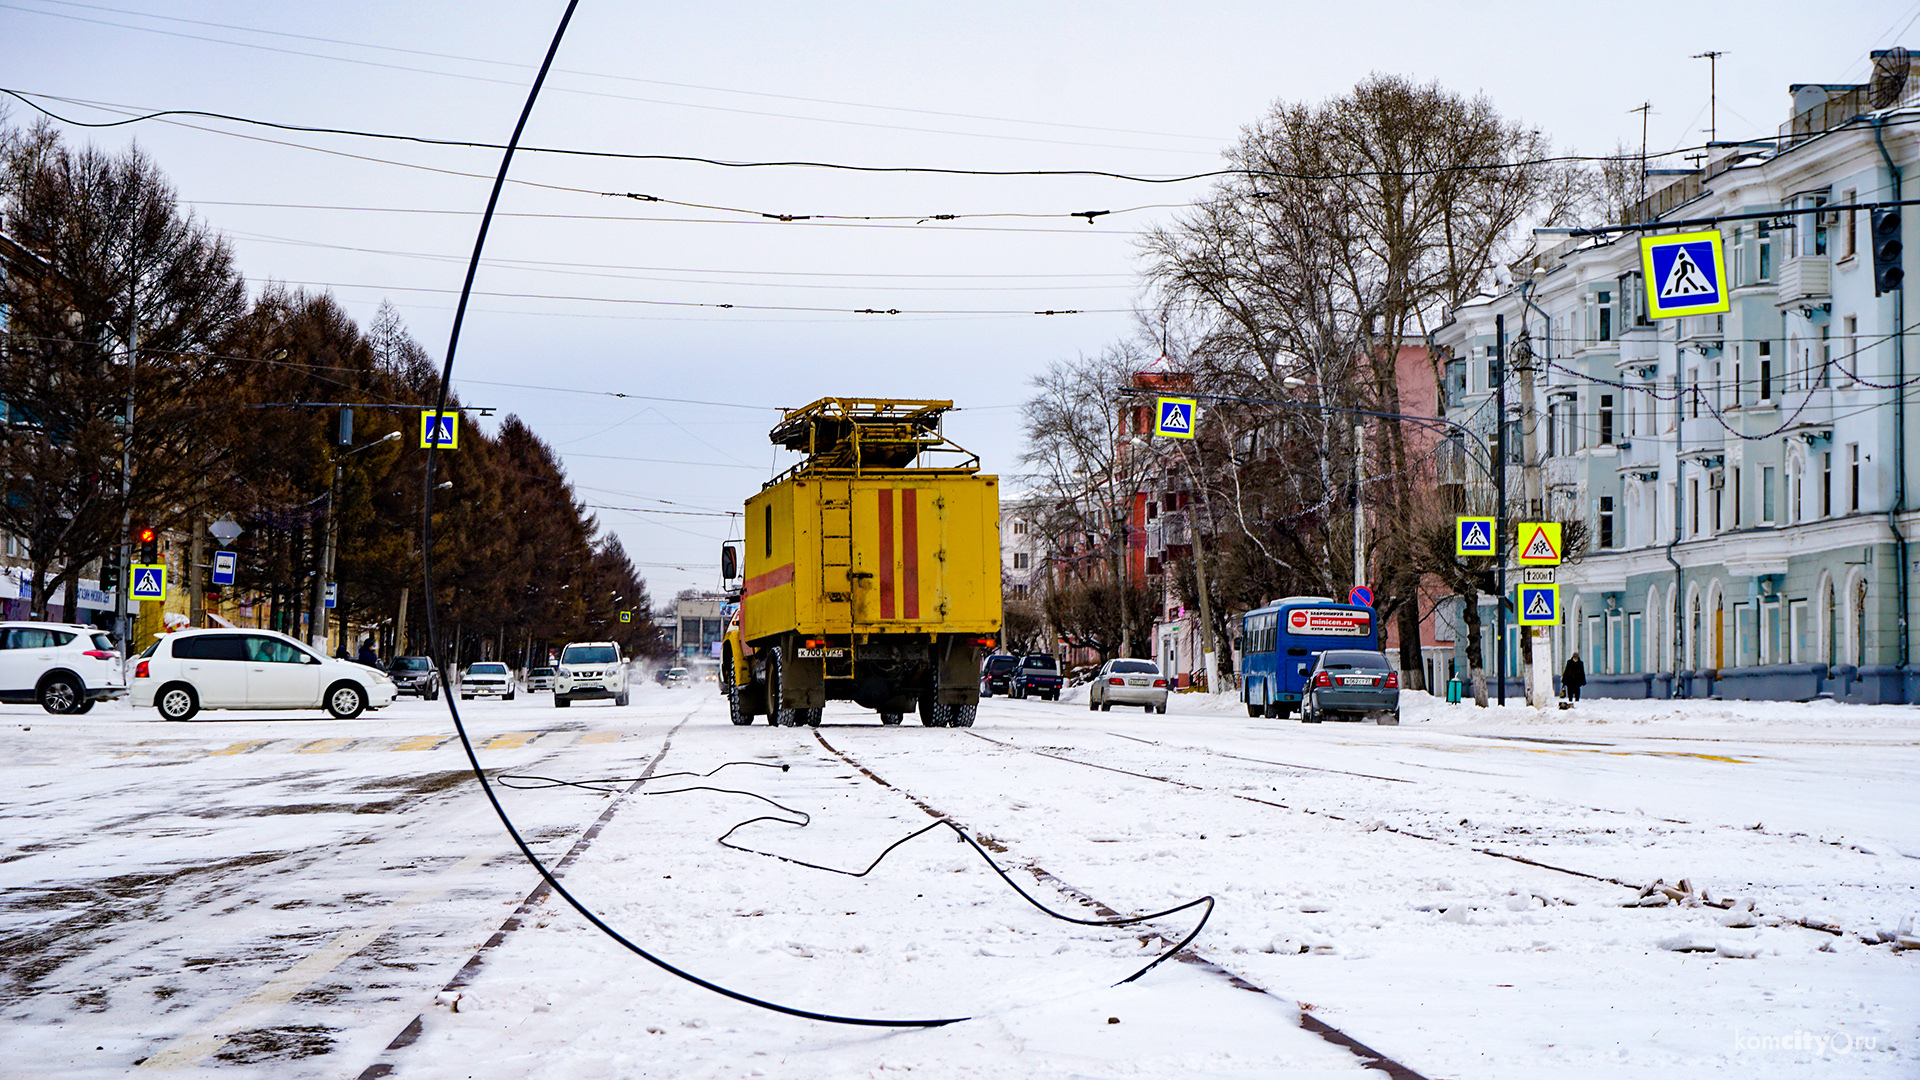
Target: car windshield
(1041,663)
(1354,661)
(488,669)
(589,654)
(1137,667)
(410,663)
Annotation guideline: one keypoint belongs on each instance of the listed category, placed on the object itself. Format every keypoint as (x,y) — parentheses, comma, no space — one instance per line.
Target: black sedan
(1351,683)
(996,675)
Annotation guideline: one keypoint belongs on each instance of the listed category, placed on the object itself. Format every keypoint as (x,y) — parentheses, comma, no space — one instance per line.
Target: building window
(1019,528)
(1736,497)
(1693,507)
(1716,485)
(1796,473)
(1767,477)
(1826,484)
(1021,560)
(1849,348)
(1853,478)
(1766,252)
(1606,521)
(1766,371)
(1606,316)
(1606,419)
(1846,240)
(1019,590)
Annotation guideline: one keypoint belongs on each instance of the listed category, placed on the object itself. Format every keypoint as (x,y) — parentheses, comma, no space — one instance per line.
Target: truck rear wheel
(892,718)
(777,716)
(933,713)
(961,715)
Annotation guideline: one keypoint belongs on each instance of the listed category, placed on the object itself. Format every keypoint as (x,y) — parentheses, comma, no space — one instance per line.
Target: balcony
(1806,282)
(1640,457)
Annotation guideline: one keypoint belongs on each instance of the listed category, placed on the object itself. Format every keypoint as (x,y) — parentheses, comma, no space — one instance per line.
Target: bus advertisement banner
(1330,622)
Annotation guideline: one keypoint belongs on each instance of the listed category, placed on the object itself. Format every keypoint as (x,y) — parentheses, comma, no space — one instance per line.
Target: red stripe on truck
(910,554)
(886,552)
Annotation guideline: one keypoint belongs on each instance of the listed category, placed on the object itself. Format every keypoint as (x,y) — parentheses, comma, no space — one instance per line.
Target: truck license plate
(819,654)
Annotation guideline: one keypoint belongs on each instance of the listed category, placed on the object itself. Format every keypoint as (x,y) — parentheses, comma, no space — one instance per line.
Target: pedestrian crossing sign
(1539,605)
(148,581)
(1538,543)
(1473,536)
(1686,274)
(441,429)
(1174,418)
(626,616)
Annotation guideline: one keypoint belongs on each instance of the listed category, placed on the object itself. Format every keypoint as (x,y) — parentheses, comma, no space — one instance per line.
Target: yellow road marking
(422,742)
(600,737)
(510,740)
(323,746)
(240,747)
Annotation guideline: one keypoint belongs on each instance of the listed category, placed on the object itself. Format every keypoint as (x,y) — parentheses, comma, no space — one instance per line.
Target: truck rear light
(816,643)
(1393,680)
(140,670)
(1323,679)
(985,642)
(1117,682)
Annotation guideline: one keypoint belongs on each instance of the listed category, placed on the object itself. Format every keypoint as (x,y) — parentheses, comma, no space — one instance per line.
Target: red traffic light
(148,535)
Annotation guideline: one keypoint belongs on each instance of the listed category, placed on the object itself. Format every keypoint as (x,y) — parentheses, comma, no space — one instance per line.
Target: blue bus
(1278,644)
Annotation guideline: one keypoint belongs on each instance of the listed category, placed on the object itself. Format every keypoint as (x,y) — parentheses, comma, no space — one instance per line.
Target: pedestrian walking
(1573,677)
(367,655)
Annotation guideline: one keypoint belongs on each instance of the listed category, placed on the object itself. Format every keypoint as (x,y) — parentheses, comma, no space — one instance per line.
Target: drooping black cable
(433,625)
(801,819)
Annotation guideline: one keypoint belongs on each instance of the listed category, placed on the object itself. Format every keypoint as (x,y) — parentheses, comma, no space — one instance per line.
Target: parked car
(996,674)
(415,675)
(190,670)
(1128,682)
(589,670)
(1351,682)
(488,678)
(540,678)
(62,667)
(1037,676)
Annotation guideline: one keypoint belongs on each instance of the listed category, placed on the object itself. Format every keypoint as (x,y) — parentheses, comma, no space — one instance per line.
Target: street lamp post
(319,629)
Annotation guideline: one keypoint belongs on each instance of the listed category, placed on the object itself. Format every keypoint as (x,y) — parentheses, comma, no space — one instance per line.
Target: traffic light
(110,568)
(149,538)
(1887,272)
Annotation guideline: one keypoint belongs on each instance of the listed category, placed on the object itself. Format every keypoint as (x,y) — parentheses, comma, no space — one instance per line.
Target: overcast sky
(587,294)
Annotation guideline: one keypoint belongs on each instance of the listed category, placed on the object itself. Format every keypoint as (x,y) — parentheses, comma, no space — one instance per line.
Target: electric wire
(801,819)
(433,625)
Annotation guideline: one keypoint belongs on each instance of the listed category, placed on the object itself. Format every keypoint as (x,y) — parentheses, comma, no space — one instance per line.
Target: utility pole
(1359,511)
(122,626)
(1500,501)
(1536,652)
(196,580)
(1712,57)
(1645,108)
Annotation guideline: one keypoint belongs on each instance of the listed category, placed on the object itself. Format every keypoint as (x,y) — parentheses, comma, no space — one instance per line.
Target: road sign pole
(1500,495)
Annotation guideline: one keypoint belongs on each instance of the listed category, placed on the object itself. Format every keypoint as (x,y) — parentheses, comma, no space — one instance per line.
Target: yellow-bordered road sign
(1538,543)
(1686,274)
(1474,536)
(441,429)
(1539,605)
(1173,417)
(147,581)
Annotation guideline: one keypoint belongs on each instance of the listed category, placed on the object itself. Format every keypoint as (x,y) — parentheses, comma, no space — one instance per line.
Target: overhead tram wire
(433,625)
(26,97)
(869,310)
(589,74)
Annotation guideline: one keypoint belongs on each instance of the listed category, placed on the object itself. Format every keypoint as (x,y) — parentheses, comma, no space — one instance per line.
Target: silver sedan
(1128,682)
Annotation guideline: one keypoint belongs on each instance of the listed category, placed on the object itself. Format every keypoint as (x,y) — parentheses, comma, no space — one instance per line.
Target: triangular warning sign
(1475,536)
(1173,418)
(1685,278)
(1540,606)
(1540,547)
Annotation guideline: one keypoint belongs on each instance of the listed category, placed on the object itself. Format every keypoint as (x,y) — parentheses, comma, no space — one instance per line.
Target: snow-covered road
(257,896)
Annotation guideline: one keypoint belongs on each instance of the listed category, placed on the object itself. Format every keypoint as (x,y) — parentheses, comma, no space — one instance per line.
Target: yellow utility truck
(871,571)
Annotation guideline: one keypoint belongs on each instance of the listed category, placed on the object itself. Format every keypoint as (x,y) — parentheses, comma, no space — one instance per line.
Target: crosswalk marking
(422,742)
(510,740)
(324,746)
(241,748)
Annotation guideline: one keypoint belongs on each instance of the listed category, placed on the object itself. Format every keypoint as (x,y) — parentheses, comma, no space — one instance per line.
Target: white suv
(62,667)
(590,669)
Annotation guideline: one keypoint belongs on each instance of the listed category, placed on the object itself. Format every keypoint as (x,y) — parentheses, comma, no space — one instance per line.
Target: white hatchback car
(62,667)
(590,669)
(190,670)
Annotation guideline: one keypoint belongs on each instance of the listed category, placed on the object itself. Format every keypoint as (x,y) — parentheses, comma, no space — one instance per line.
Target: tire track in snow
(1369,1057)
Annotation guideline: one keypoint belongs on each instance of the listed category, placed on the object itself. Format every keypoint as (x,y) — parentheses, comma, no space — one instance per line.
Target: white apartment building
(1744,477)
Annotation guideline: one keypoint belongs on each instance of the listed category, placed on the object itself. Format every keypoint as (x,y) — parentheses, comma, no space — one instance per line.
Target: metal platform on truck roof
(857,435)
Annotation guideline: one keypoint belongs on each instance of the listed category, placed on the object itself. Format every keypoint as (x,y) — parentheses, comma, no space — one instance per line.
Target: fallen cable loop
(801,819)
